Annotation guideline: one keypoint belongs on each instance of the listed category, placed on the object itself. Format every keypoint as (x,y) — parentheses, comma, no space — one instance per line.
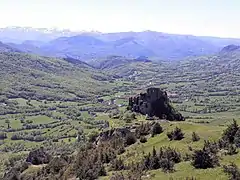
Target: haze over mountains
(90,45)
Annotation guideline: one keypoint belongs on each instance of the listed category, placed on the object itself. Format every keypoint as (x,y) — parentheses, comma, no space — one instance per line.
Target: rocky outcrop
(38,156)
(154,103)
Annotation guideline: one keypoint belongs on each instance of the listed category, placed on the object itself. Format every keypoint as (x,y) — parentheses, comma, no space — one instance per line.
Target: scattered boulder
(38,156)
(154,103)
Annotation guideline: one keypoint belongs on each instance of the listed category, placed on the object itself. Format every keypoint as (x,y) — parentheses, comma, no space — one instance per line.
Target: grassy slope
(47,77)
(183,169)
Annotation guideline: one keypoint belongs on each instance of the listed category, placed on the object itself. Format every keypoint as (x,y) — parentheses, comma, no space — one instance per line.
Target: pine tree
(237,138)
(230,132)
(156,129)
(233,171)
(195,137)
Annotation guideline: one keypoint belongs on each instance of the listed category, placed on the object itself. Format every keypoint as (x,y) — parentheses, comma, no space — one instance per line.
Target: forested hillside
(36,77)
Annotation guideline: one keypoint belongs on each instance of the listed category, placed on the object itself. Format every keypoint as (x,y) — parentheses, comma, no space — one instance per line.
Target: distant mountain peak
(231,48)
(16,34)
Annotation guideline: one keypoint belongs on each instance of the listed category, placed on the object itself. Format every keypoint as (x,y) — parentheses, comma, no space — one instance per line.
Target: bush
(156,129)
(38,156)
(237,138)
(121,150)
(195,137)
(143,130)
(229,133)
(92,136)
(211,147)
(233,171)
(154,161)
(204,159)
(117,177)
(176,134)
(223,143)
(130,139)
(165,159)
(143,139)
(170,154)
(187,157)
(3,136)
(167,165)
(117,165)
(128,117)
(232,149)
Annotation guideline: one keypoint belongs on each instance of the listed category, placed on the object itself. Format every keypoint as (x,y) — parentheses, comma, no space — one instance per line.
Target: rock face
(38,156)
(154,103)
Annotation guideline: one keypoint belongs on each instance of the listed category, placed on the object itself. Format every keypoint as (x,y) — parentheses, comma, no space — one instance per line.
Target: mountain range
(91,45)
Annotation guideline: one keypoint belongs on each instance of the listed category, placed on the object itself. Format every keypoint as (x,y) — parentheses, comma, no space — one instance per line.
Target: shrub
(121,150)
(204,159)
(237,138)
(195,137)
(130,139)
(165,159)
(211,147)
(187,157)
(92,136)
(154,161)
(128,117)
(230,132)
(117,165)
(3,135)
(232,149)
(233,171)
(171,154)
(167,165)
(176,134)
(114,114)
(156,129)
(38,156)
(143,130)
(143,139)
(117,177)
(223,143)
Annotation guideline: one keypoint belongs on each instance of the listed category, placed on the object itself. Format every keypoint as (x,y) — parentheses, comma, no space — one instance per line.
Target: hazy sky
(197,17)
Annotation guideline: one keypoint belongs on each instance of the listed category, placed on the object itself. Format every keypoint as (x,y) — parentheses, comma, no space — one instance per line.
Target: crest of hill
(112,62)
(230,48)
(7,48)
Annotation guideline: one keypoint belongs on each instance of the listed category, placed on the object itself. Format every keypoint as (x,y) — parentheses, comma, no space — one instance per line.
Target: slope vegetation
(33,76)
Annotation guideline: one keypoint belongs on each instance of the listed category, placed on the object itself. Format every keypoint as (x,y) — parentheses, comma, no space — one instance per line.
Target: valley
(63,104)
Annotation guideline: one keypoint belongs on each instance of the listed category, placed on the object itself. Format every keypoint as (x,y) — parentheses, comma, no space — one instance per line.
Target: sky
(197,17)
